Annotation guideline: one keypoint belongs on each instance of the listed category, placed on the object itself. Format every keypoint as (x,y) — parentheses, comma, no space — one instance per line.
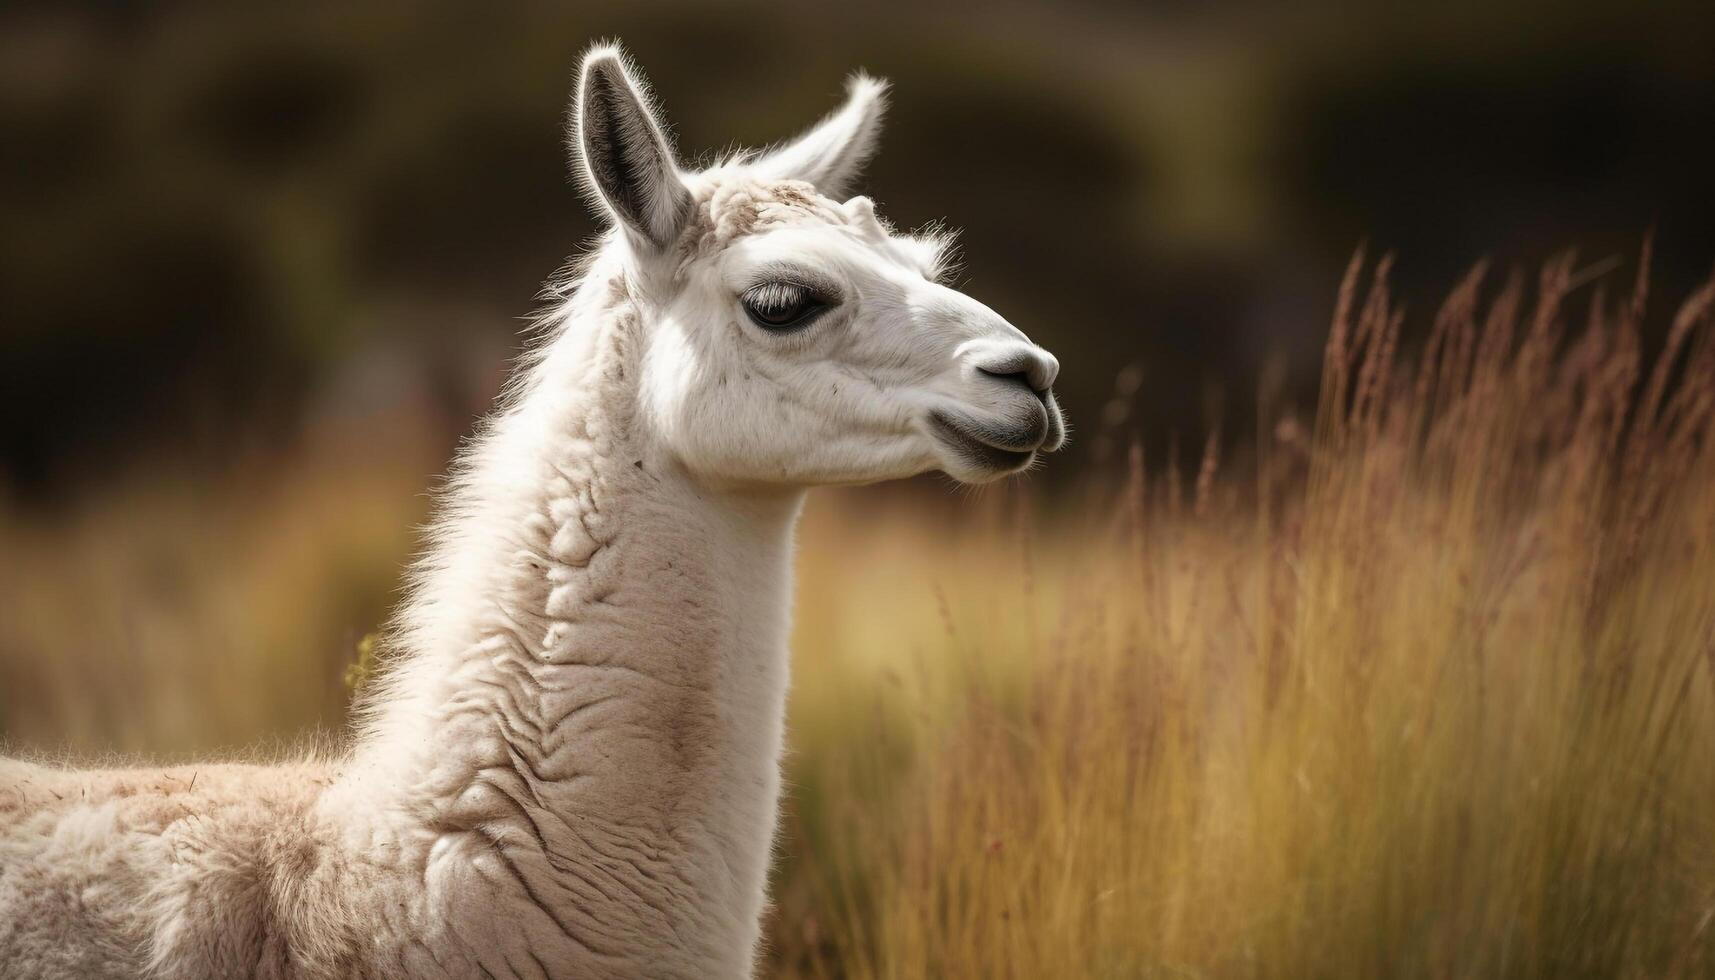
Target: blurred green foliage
(223,220)
(362,668)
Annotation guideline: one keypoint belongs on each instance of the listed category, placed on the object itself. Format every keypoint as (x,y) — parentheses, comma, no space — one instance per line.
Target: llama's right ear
(830,155)
(622,156)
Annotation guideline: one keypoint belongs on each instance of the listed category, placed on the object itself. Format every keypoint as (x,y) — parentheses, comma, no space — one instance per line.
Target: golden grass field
(1424,687)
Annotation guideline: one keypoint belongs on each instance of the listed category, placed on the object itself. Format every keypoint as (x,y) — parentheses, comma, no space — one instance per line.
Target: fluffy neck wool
(587,694)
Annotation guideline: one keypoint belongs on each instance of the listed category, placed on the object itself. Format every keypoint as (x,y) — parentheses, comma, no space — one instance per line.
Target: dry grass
(1426,693)
(175,616)
(1424,689)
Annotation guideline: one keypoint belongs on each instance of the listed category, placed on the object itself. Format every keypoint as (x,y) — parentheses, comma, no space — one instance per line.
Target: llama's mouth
(992,449)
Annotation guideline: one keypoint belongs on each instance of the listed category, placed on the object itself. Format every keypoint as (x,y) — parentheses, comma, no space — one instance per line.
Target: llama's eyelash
(774,281)
(781,294)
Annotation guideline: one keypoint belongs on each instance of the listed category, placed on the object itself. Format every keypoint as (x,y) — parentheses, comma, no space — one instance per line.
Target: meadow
(1418,683)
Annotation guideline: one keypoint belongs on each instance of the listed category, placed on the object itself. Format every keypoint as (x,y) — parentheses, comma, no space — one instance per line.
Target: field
(1419,684)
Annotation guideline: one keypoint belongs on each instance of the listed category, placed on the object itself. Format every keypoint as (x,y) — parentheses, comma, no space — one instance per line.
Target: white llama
(571,766)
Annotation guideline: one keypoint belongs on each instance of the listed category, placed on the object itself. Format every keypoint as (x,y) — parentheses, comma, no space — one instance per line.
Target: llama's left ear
(622,154)
(831,155)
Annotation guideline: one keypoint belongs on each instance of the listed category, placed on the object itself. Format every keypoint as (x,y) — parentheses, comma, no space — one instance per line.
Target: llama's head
(792,336)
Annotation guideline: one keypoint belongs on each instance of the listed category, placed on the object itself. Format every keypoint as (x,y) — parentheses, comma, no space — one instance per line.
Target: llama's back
(104,873)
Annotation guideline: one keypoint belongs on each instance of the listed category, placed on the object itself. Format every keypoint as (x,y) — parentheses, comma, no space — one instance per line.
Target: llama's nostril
(1022,364)
(1021,378)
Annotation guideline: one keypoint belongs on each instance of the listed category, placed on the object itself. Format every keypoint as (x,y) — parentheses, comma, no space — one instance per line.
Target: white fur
(570,768)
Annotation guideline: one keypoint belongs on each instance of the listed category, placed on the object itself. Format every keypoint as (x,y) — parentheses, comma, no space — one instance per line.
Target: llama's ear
(621,153)
(831,154)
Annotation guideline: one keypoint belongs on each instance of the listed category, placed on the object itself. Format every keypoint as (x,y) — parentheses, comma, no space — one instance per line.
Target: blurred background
(225,225)
(262,265)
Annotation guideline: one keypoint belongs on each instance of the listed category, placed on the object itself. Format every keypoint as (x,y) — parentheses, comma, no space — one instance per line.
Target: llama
(570,767)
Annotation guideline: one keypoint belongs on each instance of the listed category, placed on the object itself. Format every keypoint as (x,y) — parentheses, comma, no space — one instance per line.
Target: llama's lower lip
(971,448)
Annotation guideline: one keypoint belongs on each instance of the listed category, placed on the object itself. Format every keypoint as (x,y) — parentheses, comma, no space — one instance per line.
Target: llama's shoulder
(142,858)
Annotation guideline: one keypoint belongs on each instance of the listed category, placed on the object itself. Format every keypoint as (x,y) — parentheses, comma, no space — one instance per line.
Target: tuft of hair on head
(621,153)
(940,245)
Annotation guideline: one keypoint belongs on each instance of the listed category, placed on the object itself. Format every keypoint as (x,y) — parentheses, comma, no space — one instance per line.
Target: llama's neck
(595,659)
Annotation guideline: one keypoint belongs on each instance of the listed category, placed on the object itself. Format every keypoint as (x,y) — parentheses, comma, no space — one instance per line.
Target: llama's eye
(781,307)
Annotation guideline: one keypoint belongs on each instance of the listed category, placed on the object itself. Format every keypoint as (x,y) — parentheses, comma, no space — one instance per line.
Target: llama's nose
(1019,363)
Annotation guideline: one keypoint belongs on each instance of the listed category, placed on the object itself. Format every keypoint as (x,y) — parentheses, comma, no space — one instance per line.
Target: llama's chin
(970,453)
(965,470)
